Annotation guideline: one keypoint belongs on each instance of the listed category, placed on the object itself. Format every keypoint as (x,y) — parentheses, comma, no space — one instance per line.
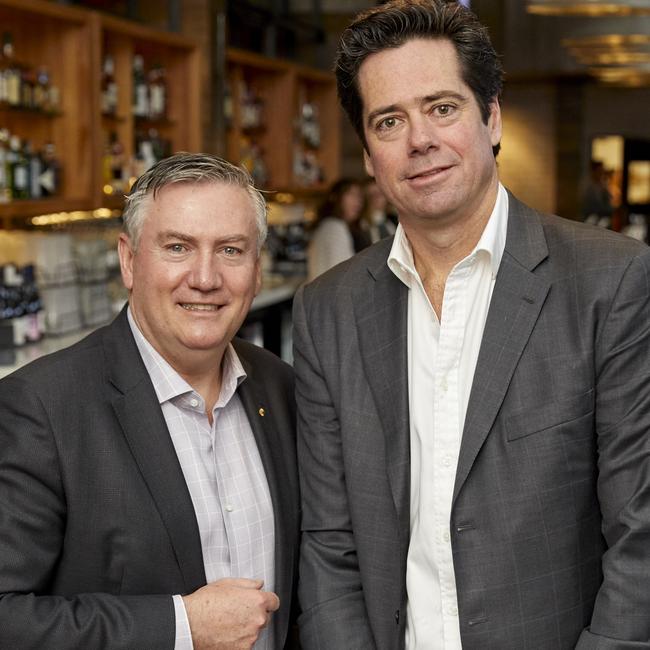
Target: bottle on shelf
(227,105)
(309,123)
(253,161)
(252,107)
(140,89)
(5,64)
(19,169)
(5,181)
(27,84)
(13,303)
(116,165)
(10,73)
(42,90)
(109,96)
(33,306)
(51,171)
(35,165)
(157,92)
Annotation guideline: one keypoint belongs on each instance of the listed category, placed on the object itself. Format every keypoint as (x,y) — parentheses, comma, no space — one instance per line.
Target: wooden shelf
(72,43)
(282,87)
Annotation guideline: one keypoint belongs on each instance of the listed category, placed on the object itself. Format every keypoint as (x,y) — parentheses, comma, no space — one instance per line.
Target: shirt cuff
(183,632)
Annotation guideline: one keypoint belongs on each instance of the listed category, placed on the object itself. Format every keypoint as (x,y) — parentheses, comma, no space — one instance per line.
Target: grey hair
(184,167)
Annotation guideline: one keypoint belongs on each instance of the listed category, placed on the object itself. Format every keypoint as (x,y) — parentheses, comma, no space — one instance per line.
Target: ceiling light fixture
(589,7)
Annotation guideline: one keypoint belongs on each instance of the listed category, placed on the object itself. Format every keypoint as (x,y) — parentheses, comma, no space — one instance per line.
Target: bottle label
(21,177)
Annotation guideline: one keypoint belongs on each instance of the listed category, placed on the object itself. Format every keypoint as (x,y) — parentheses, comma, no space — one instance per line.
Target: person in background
(473,394)
(336,234)
(376,221)
(597,205)
(148,483)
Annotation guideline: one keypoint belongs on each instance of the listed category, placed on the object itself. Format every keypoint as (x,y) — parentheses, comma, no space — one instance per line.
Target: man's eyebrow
(174,234)
(233,238)
(443,94)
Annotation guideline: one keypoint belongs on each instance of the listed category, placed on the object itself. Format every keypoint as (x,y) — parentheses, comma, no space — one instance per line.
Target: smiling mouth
(193,306)
(427,173)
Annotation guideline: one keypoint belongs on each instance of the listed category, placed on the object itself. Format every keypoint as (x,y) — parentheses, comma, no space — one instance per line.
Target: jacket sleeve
(33,518)
(621,616)
(334,613)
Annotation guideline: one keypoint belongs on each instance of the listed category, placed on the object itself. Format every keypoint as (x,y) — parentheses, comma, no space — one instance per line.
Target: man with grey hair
(148,484)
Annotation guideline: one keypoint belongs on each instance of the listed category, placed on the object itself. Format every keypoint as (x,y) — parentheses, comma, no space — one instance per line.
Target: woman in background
(336,227)
(376,222)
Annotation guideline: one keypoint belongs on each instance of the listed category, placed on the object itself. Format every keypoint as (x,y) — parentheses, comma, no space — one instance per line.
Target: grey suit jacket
(550,522)
(97,527)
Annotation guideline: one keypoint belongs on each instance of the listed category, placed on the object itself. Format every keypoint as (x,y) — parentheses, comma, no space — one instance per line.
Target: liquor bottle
(11,72)
(50,178)
(109,87)
(42,90)
(157,92)
(27,85)
(310,125)
(117,164)
(5,63)
(35,169)
(5,183)
(140,89)
(227,105)
(252,108)
(34,314)
(19,170)
(14,305)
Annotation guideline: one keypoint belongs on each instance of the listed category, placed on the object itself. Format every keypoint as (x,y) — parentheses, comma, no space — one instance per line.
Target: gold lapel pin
(262,412)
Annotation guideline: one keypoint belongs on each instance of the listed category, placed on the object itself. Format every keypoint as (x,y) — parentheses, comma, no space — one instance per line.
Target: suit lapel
(516,303)
(138,411)
(381,315)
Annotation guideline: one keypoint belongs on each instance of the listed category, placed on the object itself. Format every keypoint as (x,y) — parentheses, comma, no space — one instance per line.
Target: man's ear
(367,162)
(494,122)
(126,254)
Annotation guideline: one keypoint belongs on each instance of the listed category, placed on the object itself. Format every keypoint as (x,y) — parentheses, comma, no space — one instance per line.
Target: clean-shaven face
(195,272)
(427,145)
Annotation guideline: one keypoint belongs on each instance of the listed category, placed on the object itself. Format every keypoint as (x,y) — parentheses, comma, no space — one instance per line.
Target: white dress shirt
(442,358)
(224,475)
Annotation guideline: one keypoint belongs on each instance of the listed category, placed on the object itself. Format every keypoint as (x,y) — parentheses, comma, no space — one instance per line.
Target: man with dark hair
(148,481)
(473,402)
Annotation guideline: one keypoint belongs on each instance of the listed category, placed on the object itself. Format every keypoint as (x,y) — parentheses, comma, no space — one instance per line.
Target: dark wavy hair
(392,24)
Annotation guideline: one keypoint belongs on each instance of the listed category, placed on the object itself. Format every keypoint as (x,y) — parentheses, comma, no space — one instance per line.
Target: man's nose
(423,135)
(205,274)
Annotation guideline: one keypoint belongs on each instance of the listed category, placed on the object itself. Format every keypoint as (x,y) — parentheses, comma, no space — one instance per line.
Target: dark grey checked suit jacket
(97,527)
(551,510)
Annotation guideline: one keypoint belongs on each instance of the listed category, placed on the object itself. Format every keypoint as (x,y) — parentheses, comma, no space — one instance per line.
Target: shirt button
(194,402)
(452,611)
(443,384)
(447,461)
(229,508)
(445,536)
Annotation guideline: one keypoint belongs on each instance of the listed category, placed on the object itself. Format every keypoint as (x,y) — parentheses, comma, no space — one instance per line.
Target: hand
(229,613)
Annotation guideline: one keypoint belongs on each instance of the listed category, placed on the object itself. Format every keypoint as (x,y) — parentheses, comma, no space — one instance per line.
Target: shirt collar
(168,384)
(492,242)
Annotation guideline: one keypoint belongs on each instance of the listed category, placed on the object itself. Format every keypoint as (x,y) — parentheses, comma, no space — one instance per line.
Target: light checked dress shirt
(224,475)
(442,357)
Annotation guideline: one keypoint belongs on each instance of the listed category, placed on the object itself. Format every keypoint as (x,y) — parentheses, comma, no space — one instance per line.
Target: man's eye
(176,248)
(231,251)
(444,109)
(387,123)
